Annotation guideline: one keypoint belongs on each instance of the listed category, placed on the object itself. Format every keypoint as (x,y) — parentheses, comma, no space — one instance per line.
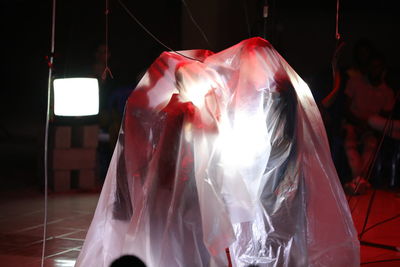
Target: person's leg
(353,156)
(339,158)
(358,185)
(372,160)
(369,143)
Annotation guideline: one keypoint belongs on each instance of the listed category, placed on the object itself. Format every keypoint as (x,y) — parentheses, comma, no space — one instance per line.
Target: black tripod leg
(371,244)
(371,200)
(377,245)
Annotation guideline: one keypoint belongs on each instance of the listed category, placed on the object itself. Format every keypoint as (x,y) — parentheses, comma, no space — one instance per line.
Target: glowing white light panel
(76,97)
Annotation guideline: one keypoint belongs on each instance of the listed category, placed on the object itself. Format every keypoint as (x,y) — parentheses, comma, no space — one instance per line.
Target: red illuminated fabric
(228,152)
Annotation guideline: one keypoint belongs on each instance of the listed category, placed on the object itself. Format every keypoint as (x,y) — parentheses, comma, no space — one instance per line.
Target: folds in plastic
(228,151)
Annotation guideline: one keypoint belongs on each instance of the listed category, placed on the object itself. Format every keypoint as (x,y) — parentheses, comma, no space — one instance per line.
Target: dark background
(302,31)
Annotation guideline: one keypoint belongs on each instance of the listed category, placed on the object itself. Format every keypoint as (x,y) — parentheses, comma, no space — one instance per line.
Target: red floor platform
(382,227)
(69,216)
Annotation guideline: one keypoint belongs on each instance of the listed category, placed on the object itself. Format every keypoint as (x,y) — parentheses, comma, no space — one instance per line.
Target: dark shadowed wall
(302,31)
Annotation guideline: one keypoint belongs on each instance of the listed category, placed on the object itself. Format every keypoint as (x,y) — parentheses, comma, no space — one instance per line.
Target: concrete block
(74,158)
(87,179)
(90,136)
(61,181)
(62,137)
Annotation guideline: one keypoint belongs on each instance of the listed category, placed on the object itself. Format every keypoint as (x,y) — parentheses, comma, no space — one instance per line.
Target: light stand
(64,89)
(364,230)
(387,129)
(46,138)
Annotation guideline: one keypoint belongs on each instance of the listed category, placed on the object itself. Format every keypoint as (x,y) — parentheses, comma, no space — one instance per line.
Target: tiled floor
(21,227)
(69,215)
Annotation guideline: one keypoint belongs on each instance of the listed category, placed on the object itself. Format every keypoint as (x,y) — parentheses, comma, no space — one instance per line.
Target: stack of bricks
(74,157)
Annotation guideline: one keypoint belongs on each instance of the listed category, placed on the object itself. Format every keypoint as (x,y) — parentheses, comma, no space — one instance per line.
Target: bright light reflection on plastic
(194,83)
(76,97)
(243,142)
(64,263)
(198,90)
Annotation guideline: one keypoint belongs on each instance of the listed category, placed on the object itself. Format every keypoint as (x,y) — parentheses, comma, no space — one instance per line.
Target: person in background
(367,95)
(388,126)
(335,109)
(331,105)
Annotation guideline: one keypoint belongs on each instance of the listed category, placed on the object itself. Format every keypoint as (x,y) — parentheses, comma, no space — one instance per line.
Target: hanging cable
(152,35)
(339,43)
(379,261)
(106,69)
(337,35)
(196,24)
(46,138)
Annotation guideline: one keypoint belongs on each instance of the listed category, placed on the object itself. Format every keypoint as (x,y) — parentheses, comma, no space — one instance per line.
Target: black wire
(196,24)
(355,205)
(382,222)
(152,35)
(388,260)
(371,200)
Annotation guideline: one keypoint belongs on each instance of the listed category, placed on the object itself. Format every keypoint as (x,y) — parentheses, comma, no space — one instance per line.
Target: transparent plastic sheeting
(226,152)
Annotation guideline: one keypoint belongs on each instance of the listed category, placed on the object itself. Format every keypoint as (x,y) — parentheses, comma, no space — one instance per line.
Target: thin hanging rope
(196,24)
(106,69)
(337,35)
(46,138)
(152,35)
(339,44)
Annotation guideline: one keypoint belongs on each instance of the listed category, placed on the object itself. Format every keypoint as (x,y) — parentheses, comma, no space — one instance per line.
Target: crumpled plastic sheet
(226,152)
